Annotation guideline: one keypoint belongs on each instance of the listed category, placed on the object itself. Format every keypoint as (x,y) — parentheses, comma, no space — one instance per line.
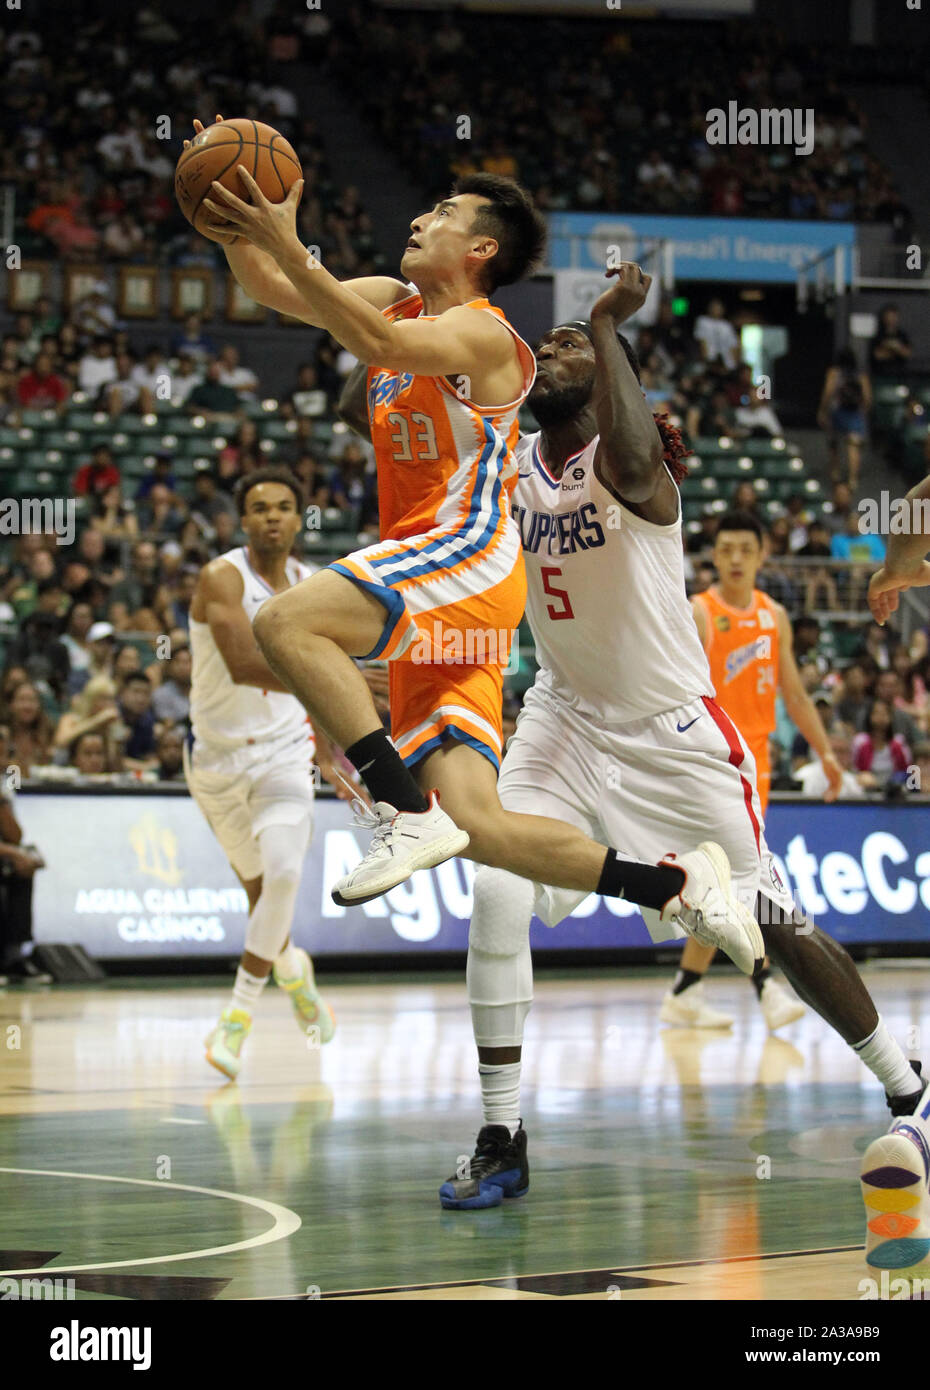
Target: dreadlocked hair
(675,452)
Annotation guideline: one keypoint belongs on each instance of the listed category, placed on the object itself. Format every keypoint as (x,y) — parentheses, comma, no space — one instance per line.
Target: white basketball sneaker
(708,910)
(691,1010)
(403,842)
(779,1008)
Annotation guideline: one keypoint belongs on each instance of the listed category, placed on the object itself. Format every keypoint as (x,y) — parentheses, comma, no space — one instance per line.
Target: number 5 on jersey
(547,571)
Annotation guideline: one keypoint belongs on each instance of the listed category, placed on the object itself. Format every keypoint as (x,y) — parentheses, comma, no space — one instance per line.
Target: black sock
(685,979)
(760,979)
(649,885)
(382,770)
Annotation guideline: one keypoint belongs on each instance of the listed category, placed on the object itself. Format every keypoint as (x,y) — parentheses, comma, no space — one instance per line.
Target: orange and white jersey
(449,566)
(449,558)
(443,461)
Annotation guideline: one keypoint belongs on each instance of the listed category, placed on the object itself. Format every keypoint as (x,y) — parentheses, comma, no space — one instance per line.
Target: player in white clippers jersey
(620,734)
(250,768)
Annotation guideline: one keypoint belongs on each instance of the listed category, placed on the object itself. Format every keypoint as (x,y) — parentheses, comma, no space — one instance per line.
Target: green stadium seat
(36,483)
(66,441)
(763,448)
(914,446)
(343,520)
(710,446)
(135,465)
(88,421)
(120,443)
(39,419)
(727,467)
(279,429)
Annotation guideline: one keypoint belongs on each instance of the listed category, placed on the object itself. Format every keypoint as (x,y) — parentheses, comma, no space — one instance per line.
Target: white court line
(286,1222)
(178,1120)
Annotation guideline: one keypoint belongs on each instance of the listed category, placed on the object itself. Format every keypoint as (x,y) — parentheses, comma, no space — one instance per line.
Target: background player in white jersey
(620,735)
(250,768)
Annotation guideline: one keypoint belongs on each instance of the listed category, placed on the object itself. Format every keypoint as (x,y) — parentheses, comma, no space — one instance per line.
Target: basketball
(217,152)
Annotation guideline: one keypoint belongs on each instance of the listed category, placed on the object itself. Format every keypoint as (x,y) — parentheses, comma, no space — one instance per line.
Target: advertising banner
(136,877)
(705,248)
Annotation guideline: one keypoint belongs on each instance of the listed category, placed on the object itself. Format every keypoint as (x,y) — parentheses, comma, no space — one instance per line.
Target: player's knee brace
(499,973)
(283,848)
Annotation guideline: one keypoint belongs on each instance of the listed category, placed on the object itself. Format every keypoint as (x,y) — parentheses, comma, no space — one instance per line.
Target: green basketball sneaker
(225,1041)
(310,1008)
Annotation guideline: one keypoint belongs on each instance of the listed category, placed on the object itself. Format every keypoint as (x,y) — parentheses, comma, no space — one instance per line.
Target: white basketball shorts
(243,791)
(645,788)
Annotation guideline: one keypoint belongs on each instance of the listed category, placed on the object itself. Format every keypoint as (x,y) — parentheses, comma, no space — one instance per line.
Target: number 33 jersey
(606,601)
(443,462)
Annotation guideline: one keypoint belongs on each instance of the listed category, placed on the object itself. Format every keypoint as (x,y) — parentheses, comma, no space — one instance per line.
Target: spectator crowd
(96,112)
(597,116)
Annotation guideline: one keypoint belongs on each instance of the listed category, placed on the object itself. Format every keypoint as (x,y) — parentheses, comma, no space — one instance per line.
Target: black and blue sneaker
(497,1169)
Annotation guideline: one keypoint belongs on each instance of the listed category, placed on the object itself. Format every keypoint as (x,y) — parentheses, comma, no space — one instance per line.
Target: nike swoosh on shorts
(681,727)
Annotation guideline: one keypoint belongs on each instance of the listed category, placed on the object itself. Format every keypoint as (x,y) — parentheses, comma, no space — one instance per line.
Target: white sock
(884,1059)
(500,1094)
(247,989)
(289,963)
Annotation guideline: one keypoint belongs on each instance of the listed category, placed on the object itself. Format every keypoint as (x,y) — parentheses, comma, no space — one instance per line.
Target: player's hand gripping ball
(215,154)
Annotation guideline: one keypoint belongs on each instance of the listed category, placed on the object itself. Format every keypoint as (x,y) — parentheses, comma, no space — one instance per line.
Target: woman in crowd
(915,700)
(30,727)
(879,756)
(74,638)
(93,711)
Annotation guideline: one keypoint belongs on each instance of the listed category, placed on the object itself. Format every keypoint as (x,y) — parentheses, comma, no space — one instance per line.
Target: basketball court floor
(665,1164)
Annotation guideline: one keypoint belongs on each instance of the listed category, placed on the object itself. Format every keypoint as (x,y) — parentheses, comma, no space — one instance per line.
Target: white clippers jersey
(606,598)
(228,716)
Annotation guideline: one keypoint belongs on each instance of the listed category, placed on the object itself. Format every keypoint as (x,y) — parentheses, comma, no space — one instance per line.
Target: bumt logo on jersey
(758,650)
(386,386)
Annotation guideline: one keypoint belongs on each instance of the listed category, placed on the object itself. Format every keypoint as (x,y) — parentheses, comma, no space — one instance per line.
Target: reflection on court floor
(665,1164)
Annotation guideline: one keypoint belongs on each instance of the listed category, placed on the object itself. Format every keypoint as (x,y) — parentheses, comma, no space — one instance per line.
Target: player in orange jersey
(446,378)
(748,641)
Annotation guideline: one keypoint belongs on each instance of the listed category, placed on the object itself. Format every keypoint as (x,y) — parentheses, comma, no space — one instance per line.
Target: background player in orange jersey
(748,641)
(446,377)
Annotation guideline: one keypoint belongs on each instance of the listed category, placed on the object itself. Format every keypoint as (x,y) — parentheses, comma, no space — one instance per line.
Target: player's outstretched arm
(800,707)
(218,601)
(352,407)
(629,456)
(260,276)
(461,341)
(905,564)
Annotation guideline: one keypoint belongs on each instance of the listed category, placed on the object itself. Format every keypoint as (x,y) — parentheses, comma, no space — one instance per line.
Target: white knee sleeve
(499,973)
(283,848)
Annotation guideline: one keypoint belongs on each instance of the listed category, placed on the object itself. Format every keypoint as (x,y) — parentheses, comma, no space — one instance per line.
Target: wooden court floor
(665,1164)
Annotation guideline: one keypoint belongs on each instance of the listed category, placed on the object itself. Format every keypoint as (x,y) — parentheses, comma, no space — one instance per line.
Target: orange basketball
(216,153)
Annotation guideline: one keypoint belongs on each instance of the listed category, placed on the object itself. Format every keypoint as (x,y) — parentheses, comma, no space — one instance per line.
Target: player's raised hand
(271,227)
(885,586)
(626,296)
